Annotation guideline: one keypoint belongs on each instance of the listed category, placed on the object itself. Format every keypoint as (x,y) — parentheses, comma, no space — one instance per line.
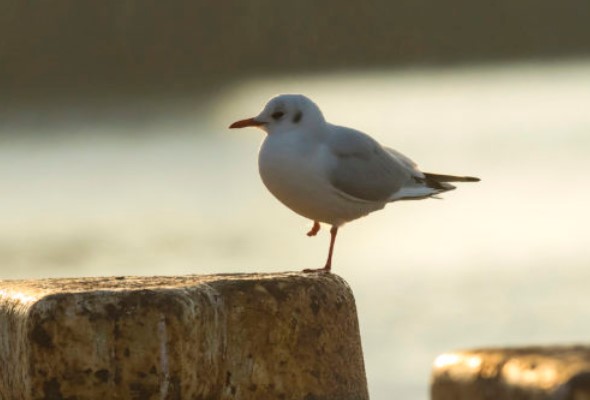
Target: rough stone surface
(531,373)
(271,336)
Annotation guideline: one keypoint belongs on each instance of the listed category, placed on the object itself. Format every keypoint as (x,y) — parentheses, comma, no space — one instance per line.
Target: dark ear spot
(297,116)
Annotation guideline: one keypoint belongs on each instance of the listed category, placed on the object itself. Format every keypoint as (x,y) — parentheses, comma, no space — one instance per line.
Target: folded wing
(367,171)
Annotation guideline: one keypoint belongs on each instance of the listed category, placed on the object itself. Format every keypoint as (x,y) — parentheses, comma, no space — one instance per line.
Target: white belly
(296,173)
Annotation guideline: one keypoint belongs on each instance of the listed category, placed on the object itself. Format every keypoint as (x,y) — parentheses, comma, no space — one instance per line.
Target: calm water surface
(502,262)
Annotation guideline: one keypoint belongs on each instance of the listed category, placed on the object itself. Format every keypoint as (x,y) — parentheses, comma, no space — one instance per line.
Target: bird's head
(283,113)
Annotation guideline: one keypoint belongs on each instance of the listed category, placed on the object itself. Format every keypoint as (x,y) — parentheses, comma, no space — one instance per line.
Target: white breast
(296,171)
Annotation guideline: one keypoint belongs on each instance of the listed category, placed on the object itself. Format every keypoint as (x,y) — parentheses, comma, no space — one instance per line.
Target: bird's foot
(314,229)
(325,270)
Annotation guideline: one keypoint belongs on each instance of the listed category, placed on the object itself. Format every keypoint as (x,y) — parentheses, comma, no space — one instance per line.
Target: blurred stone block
(271,336)
(529,373)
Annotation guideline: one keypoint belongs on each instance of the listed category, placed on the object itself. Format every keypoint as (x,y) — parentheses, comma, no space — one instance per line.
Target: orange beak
(245,123)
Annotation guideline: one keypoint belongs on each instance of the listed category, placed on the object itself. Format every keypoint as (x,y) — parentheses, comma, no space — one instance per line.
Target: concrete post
(271,336)
(530,373)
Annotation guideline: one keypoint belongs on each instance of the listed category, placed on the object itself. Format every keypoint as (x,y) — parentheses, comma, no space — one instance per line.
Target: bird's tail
(431,185)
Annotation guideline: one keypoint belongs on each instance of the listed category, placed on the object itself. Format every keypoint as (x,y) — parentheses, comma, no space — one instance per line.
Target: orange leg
(314,229)
(328,266)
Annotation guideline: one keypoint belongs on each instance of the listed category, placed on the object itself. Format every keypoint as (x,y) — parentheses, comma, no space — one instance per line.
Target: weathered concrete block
(271,336)
(531,373)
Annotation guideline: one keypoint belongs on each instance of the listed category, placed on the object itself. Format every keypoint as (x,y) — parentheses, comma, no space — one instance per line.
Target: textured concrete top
(532,373)
(26,291)
(231,336)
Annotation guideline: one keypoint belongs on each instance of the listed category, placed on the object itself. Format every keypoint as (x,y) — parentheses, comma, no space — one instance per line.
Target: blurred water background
(115,157)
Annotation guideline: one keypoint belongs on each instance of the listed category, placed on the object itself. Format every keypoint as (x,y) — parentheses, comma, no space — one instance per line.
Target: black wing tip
(450,178)
(472,179)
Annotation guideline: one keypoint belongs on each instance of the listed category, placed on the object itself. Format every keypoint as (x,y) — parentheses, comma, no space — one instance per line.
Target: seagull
(333,174)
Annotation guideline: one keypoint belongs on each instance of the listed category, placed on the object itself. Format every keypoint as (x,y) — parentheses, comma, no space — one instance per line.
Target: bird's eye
(277,115)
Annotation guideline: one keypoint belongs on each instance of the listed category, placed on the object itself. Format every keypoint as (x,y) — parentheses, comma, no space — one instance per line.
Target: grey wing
(364,169)
(406,161)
